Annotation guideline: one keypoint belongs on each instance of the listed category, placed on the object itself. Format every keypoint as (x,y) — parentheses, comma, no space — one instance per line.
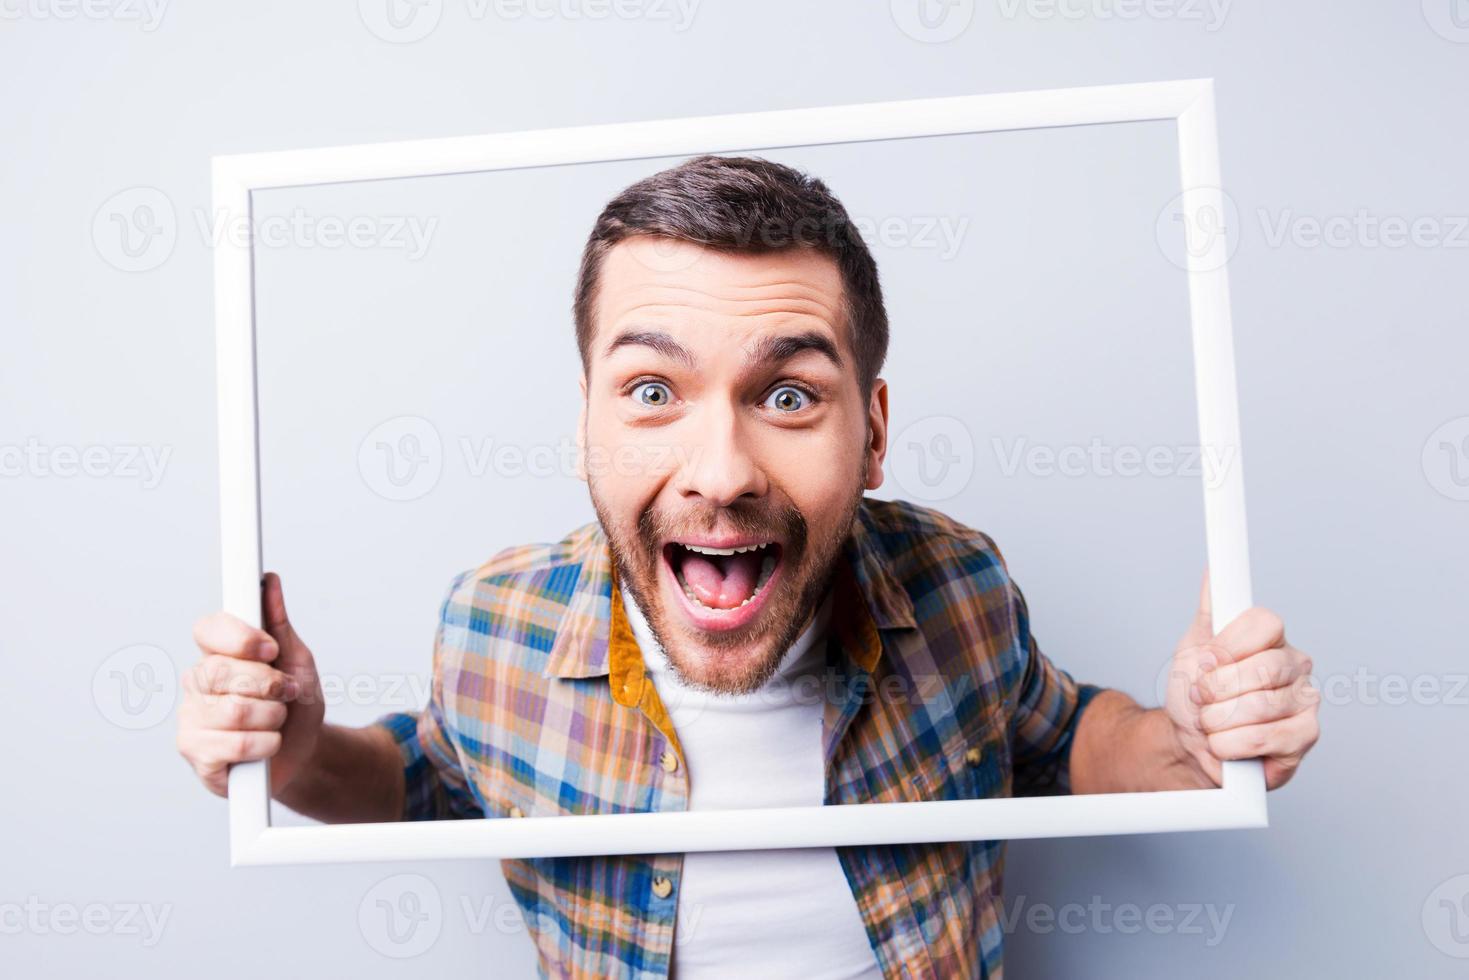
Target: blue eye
(654,394)
(788,399)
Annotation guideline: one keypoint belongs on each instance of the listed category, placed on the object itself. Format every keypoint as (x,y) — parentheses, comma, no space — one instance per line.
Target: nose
(719,465)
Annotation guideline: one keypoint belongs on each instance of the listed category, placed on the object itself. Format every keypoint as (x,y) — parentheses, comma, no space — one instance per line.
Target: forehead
(681,286)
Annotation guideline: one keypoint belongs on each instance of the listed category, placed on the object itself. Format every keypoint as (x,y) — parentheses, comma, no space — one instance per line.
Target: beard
(742,660)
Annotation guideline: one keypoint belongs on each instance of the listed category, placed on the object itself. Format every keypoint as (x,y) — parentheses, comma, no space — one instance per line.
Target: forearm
(1121,747)
(355,775)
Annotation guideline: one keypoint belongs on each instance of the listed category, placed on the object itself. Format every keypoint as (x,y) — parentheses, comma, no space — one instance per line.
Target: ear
(581,433)
(877,429)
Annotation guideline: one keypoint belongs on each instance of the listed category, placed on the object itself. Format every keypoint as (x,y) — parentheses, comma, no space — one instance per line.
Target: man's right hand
(255,694)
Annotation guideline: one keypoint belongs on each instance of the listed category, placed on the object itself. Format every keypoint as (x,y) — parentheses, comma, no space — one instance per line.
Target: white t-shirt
(765,914)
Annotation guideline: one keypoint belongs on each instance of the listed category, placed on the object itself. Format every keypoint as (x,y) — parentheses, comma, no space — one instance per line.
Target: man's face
(727,443)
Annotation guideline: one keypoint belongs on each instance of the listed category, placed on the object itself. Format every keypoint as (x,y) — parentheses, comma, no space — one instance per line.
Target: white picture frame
(1239,803)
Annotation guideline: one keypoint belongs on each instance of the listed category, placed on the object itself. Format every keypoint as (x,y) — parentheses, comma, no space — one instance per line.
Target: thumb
(278,625)
(1201,630)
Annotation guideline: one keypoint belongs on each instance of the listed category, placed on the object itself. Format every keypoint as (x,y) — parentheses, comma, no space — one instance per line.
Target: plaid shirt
(935,690)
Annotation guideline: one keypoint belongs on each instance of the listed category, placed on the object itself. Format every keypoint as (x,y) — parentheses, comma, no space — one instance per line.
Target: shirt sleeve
(435,786)
(1048,708)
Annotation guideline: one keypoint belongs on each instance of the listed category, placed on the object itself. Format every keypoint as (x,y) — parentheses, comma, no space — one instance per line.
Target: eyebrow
(778,349)
(655,339)
(765,350)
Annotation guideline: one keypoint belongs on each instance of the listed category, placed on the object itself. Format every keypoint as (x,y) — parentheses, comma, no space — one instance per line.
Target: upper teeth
(723,551)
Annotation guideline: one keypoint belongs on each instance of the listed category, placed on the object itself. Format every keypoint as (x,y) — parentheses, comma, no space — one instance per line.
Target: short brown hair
(742,204)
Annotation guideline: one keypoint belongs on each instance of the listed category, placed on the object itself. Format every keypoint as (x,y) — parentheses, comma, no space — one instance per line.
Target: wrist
(1180,757)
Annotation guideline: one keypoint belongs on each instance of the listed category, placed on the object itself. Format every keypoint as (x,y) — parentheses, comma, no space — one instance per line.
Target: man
(731,330)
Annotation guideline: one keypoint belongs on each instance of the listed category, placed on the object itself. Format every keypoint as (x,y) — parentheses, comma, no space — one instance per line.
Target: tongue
(723,582)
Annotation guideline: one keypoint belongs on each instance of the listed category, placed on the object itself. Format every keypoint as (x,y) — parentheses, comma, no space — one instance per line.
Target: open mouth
(723,584)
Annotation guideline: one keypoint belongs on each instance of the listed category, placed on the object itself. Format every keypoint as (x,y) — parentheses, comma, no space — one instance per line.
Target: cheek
(626,467)
(818,472)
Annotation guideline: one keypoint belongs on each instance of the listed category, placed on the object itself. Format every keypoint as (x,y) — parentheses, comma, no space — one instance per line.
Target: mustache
(782,523)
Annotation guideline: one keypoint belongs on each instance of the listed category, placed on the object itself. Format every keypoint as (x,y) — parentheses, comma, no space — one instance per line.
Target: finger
(1287,739)
(1201,630)
(1257,707)
(273,603)
(1276,667)
(243,678)
(230,636)
(226,712)
(278,623)
(1251,631)
(212,750)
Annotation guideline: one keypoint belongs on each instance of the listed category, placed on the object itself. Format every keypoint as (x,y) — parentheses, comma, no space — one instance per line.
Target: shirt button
(516,811)
(974,756)
(668,761)
(662,887)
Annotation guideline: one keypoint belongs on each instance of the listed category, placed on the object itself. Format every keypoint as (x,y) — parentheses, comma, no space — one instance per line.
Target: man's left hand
(1243,693)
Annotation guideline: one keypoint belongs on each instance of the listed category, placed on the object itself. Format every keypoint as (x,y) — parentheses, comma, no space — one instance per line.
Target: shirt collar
(596,640)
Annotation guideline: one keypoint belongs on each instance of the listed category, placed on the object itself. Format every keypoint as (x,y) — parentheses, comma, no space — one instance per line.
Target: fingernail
(1207,663)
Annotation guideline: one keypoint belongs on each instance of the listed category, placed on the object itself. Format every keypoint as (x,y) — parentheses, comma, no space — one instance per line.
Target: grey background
(1057,319)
